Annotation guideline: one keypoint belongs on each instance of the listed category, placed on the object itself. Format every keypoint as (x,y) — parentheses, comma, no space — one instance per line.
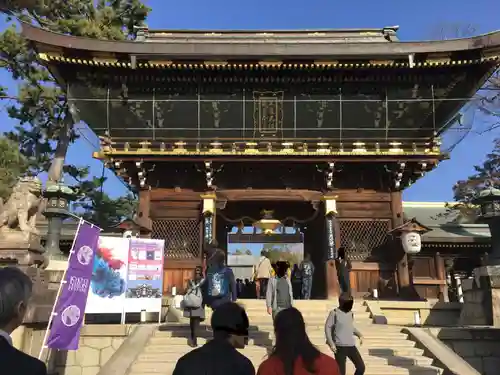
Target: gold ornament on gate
(267,224)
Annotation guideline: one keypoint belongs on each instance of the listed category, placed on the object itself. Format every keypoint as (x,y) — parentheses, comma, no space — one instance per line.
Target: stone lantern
(59,197)
(482,300)
(489,202)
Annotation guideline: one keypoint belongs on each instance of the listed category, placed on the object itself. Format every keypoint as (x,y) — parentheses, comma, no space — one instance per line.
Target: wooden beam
(181,263)
(361,195)
(175,214)
(371,266)
(175,194)
(441,275)
(403,272)
(428,281)
(144,210)
(269,195)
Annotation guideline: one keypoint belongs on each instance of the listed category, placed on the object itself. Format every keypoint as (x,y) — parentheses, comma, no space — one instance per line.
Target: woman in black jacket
(344,268)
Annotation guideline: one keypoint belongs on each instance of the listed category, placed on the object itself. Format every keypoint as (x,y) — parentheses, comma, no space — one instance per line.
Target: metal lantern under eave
(267,224)
(410,234)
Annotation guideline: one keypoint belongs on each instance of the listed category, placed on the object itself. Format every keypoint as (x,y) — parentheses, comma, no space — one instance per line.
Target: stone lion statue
(20,210)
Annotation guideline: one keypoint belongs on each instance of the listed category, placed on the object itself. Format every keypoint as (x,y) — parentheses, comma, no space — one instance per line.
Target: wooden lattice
(361,237)
(182,237)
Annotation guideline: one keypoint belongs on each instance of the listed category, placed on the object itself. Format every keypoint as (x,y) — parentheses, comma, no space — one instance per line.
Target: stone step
(368,335)
(266,342)
(368,372)
(142,368)
(399,351)
(303,304)
(305,311)
(258,310)
(311,303)
(256,354)
(262,315)
(362,325)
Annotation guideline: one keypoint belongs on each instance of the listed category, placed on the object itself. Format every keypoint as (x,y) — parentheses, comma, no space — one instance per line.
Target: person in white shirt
(262,273)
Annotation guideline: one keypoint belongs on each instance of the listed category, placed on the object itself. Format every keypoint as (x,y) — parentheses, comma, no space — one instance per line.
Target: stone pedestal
(24,251)
(482,298)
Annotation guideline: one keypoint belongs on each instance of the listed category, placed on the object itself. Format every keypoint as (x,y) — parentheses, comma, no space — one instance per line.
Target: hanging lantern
(410,235)
(267,224)
(412,242)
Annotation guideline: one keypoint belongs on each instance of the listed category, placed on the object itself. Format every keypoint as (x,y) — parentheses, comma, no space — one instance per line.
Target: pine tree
(12,166)
(41,110)
(486,175)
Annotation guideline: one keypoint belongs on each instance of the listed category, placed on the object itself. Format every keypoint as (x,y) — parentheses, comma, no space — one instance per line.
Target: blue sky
(417,20)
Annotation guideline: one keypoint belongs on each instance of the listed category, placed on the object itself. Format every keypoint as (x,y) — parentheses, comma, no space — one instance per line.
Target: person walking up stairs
(385,350)
(340,332)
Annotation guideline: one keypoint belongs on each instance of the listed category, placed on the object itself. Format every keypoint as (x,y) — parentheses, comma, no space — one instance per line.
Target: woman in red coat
(294,354)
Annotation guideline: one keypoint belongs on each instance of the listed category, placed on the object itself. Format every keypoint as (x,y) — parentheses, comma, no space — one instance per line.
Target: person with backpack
(279,294)
(307,272)
(193,305)
(221,283)
(340,332)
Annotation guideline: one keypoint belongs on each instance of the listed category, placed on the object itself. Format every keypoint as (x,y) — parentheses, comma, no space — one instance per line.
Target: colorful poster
(109,276)
(70,305)
(145,275)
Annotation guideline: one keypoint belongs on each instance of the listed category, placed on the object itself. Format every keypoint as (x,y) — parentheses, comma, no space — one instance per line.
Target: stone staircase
(385,349)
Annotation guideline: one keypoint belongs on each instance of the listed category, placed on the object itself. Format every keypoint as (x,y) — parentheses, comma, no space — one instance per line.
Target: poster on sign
(144,276)
(109,277)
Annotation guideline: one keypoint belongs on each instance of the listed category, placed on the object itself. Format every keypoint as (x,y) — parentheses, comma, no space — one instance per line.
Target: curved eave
(261,66)
(260,47)
(431,157)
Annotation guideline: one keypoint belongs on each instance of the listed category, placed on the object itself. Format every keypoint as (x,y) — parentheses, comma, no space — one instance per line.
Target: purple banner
(70,306)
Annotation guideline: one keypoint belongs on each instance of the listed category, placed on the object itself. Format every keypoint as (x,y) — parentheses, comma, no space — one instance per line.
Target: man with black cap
(219,356)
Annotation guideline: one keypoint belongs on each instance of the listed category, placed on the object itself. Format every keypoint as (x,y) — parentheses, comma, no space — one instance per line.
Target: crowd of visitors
(300,277)
(293,353)
(216,287)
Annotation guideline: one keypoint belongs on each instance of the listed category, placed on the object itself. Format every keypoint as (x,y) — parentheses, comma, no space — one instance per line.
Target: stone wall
(480,347)
(474,311)
(29,338)
(97,344)
(482,298)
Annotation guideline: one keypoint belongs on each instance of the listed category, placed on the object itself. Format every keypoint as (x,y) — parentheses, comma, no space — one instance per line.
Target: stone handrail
(121,361)
(442,354)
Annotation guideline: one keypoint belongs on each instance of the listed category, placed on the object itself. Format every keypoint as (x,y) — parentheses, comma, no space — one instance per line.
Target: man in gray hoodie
(340,332)
(279,295)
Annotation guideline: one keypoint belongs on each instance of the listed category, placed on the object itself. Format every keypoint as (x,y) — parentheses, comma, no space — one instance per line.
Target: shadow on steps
(259,338)
(411,364)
